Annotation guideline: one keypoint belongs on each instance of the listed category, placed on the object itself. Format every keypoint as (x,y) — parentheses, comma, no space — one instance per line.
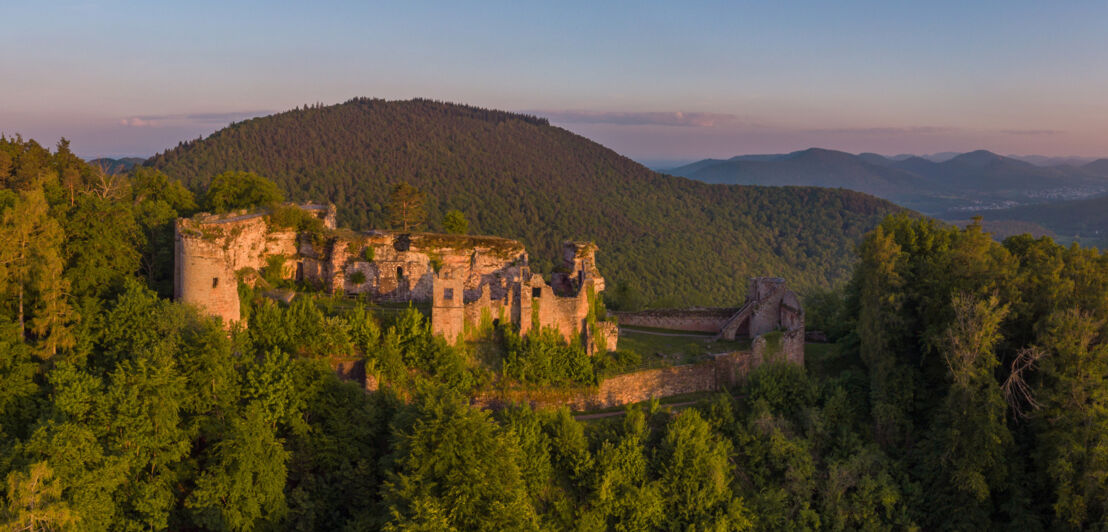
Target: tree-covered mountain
(513,175)
(974,180)
(965,391)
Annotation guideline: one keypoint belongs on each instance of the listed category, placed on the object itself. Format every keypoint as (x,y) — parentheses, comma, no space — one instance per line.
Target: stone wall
(404,265)
(779,345)
(689,319)
(211,249)
(723,371)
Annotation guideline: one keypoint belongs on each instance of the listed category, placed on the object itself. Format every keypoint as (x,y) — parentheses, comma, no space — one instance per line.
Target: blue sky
(651,80)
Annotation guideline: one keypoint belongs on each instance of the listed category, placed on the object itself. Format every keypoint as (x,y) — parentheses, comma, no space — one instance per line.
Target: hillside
(516,176)
(1085,220)
(967,181)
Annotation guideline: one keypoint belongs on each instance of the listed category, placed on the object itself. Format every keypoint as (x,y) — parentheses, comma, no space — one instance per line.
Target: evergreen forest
(963,388)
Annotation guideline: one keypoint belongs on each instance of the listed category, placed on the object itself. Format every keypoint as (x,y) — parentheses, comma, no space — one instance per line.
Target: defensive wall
(721,372)
(697,319)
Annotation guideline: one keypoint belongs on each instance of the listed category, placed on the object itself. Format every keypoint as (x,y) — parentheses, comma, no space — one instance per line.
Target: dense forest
(965,390)
(663,240)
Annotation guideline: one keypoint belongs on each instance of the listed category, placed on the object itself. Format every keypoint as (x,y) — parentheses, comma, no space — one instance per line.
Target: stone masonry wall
(692,319)
(723,371)
(209,250)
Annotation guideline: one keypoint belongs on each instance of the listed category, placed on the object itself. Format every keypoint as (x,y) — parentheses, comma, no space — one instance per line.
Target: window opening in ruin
(536,292)
(400,273)
(448,294)
(215,282)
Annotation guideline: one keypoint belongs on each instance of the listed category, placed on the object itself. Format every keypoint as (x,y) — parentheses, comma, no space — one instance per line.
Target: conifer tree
(405,207)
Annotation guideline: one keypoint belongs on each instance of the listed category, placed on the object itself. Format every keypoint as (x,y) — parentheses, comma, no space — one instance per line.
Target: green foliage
(455,467)
(405,207)
(294,218)
(455,222)
(783,386)
(242,485)
(230,190)
(357,277)
(544,358)
(696,480)
(966,389)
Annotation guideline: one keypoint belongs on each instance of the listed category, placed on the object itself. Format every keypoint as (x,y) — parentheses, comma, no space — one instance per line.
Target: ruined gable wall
(448,313)
(566,314)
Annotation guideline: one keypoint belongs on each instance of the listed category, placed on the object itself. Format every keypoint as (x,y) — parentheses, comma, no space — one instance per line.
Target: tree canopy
(230,191)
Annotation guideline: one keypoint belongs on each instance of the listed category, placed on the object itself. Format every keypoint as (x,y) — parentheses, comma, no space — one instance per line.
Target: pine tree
(405,207)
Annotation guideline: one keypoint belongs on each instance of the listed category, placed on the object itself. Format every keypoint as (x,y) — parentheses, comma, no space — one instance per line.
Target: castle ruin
(469,280)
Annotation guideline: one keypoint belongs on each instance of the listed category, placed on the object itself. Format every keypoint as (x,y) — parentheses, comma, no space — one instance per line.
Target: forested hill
(516,176)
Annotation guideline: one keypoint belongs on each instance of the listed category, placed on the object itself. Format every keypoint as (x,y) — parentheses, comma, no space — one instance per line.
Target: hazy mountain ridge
(968,181)
(116,166)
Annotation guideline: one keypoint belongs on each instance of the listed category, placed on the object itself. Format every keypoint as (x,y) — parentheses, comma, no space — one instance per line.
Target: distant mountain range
(963,182)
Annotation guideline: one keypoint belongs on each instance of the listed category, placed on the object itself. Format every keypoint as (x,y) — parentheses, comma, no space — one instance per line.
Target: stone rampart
(723,371)
(688,319)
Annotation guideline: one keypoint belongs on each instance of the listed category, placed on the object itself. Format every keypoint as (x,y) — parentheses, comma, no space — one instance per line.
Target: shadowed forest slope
(662,238)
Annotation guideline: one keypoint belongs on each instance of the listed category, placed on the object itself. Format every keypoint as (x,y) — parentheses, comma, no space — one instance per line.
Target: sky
(652,80)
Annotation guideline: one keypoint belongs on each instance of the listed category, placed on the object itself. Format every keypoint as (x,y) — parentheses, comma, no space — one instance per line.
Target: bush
(616,361)
(455,222)
(296,219)
(784,386)
(544,359)
(240,190)
(358,277)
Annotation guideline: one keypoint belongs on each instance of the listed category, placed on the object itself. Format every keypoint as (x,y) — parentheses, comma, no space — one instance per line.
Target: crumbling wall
(787,346)
(603,336)
(448,309)
(404,264)
(767,293)
(210,250)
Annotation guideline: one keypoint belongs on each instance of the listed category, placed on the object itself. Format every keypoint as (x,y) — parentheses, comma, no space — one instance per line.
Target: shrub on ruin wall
(358,277)
(274,271)
(616,362)
(294,218)
(773,344)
